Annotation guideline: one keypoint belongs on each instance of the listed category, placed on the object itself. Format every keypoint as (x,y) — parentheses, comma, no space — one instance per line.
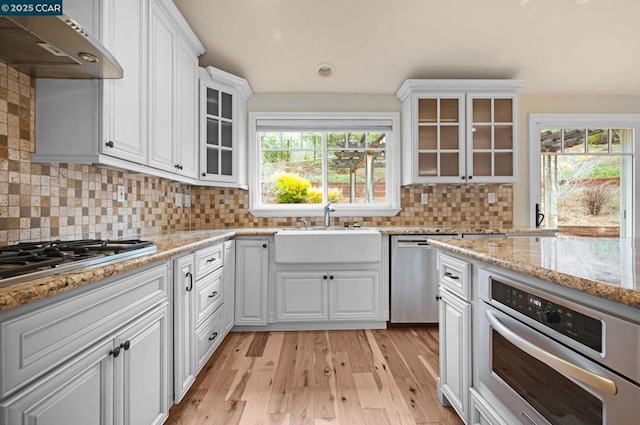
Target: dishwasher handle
(413,244)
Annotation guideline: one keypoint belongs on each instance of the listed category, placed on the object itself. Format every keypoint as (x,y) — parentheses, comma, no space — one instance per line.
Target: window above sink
(300,161)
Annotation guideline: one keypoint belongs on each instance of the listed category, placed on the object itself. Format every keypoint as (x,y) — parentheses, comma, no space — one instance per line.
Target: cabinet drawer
(208,337)
(208,295)
(36,339)
(455,275)
(208,259)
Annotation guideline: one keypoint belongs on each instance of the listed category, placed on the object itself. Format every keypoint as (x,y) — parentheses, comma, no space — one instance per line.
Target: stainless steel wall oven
(552,361)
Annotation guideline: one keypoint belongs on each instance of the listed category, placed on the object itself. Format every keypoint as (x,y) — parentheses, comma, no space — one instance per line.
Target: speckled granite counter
(169,245)
(606,267)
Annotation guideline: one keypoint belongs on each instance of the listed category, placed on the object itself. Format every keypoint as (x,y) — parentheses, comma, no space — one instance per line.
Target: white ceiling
(556,46)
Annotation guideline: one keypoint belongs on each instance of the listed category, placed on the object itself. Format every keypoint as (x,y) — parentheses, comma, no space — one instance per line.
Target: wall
(557,105)
(50,201)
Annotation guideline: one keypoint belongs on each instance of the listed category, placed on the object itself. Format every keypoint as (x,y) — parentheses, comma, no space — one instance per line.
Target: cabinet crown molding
(426,85)
(238,83)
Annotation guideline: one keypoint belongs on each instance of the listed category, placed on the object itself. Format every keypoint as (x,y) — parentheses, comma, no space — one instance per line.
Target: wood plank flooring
(361,377)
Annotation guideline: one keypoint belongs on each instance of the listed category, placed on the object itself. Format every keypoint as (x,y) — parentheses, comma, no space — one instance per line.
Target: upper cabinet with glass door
(459,131)
(223,128)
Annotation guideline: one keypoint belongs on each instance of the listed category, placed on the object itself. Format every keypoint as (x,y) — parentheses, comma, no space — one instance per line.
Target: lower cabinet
(208,336)
(198,302)
(252,281)
(319,296)
(122,379)
(354,295)
(142,367)
(302,296)
(455,346)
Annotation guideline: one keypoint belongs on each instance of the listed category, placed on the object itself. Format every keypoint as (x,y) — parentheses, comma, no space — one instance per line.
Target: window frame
(539,121)
(390,208)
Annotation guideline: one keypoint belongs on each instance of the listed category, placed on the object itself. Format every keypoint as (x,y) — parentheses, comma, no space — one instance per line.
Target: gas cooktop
(29,260)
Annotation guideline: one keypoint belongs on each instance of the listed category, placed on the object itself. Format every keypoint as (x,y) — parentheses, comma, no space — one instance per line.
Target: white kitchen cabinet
(354,295)
(99,121)
(223,128)
(104,349)
(183,326)
(252,281)
(209,334)
(143,369)
(198,299)
(229,285)
(329,294)
(124,123)
(173,68)
(455,339)
(82,393)
(302,296)
(459,131)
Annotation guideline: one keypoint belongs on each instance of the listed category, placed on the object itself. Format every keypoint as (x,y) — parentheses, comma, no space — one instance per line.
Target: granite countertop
(169,245)
(606,267)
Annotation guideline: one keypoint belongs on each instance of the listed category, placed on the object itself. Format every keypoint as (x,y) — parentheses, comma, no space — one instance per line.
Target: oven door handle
(586,377)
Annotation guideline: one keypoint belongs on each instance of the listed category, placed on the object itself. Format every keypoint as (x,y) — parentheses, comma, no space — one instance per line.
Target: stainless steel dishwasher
(414,278)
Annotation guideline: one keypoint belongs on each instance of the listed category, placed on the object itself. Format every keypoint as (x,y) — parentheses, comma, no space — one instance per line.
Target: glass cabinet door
(440,153)
(491,135)
(217,133)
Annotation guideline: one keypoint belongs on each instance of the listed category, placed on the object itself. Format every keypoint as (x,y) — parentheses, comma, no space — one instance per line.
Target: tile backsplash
(40,201)
(449,205)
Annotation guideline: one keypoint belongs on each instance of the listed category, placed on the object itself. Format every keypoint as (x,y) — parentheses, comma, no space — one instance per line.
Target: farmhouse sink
(328,245)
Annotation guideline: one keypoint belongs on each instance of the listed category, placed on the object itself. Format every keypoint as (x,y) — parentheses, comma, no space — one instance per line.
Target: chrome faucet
(328,209)
(306,223)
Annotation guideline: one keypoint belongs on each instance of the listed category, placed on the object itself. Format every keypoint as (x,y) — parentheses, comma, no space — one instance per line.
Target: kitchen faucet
(328,209)
(306,223)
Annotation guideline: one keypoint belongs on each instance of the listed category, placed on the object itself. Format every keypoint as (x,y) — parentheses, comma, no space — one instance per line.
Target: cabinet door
(124,34)
(217,132)
(455,351)
(439,143)
(143,370)
(252,279)
(183,326)
(185,148)
(492,138)
(302,296)
(229,285)
(162,58)
(80,393)
(354,295)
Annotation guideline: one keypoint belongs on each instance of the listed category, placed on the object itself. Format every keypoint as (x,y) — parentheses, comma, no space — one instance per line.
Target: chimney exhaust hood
(54,47)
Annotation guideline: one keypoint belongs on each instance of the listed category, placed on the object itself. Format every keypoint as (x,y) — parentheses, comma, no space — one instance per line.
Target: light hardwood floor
(359,377)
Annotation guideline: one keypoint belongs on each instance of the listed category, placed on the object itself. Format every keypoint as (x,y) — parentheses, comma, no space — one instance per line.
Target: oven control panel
(575,325)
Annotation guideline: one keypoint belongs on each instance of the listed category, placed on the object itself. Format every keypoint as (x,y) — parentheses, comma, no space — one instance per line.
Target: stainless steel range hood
(54,47)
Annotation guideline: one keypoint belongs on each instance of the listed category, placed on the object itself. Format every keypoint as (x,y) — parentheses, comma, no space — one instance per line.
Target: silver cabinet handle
(586,377)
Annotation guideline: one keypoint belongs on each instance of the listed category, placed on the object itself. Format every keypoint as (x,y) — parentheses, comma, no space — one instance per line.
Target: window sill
(317,211)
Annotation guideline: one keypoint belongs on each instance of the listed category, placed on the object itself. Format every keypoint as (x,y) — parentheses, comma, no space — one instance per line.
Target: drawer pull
(214,294)
(190,276)
(115,352)
(438,297)
(126,345)
(214,336)
(451,276)
(211,260)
